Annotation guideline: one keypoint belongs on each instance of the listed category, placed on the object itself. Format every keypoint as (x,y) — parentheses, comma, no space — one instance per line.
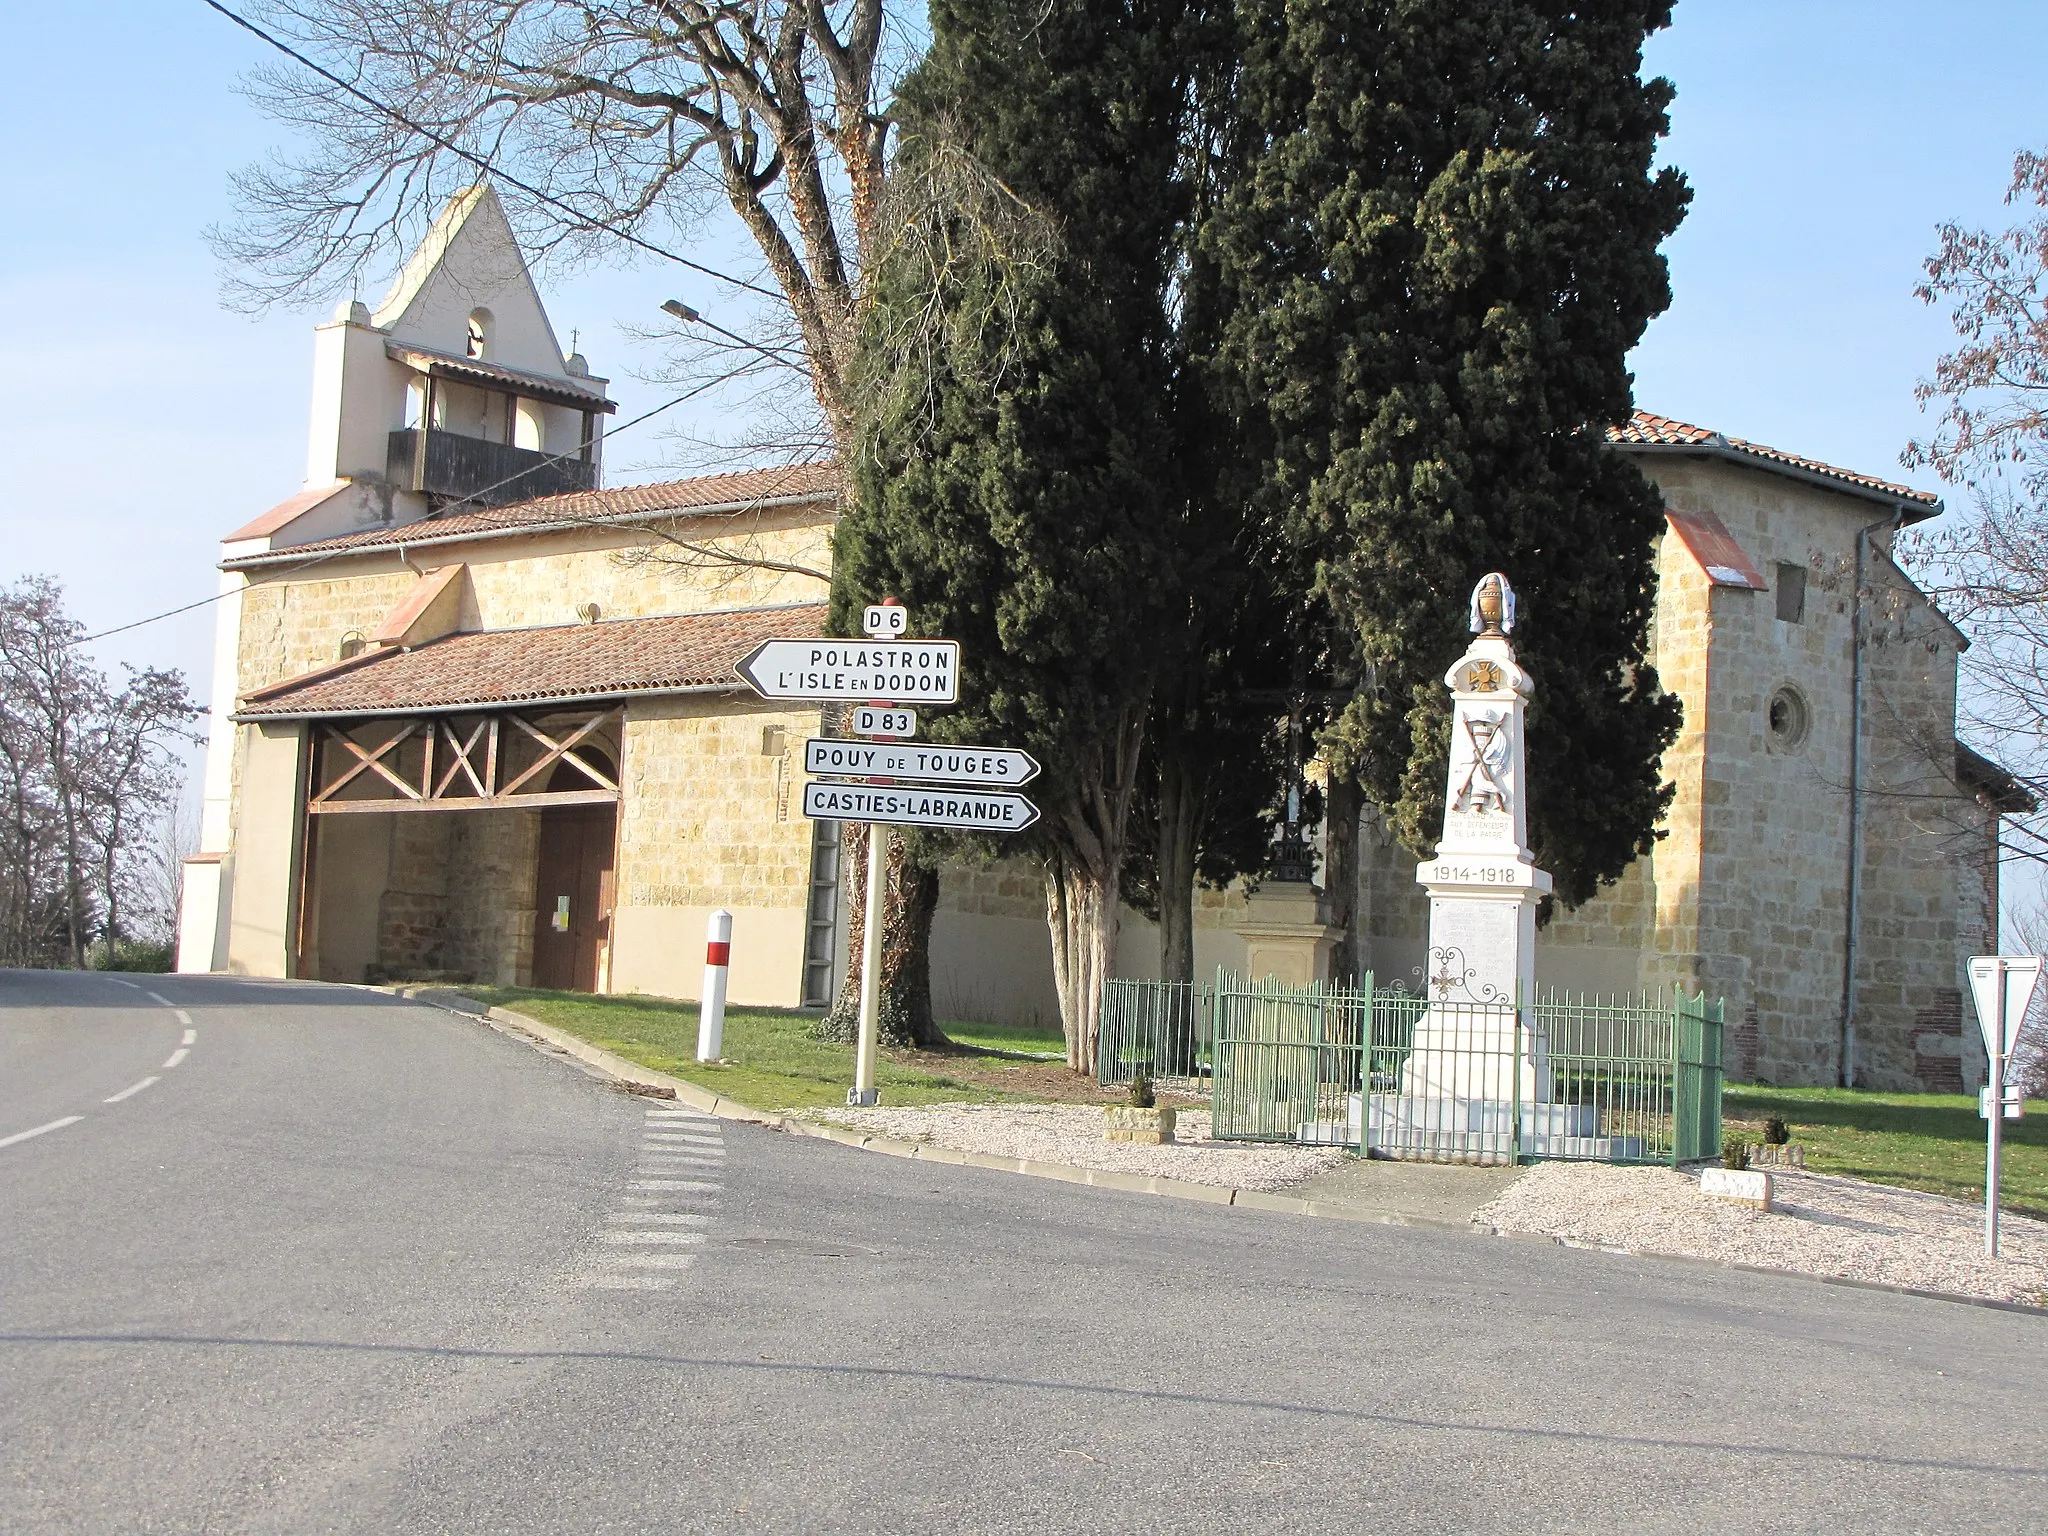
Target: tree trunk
(1178,828)
(1084,912)
(1340,875)
(909,900)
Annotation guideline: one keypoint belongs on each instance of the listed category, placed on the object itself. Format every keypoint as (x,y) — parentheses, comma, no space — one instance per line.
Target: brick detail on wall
(1741,1055)
(1938,1043)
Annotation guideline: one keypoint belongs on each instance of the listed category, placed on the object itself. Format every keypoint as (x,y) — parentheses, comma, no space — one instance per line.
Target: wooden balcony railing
(482,473)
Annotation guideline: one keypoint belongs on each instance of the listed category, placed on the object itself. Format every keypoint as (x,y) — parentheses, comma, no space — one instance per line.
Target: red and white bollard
(711,1007)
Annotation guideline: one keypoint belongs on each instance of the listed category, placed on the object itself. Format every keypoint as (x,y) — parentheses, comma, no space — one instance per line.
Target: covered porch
(461,809)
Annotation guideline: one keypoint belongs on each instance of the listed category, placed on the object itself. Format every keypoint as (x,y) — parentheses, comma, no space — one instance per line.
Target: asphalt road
(357,1265)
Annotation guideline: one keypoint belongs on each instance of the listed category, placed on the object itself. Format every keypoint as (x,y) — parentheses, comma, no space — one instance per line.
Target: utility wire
(479,161)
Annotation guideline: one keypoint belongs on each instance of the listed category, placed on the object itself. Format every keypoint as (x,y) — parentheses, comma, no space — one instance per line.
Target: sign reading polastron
(922,763)
(963,809)
(861,671)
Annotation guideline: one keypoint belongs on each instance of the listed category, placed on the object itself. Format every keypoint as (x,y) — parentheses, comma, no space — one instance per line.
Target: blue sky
(1824,141)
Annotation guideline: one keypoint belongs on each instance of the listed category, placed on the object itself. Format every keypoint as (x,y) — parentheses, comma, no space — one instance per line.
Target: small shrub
(1735,1154)
(131,955)
(1776,1132)
(1142,1096)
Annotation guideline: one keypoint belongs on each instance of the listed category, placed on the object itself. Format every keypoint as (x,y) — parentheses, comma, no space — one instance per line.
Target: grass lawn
(775,1064)
(1927,1141)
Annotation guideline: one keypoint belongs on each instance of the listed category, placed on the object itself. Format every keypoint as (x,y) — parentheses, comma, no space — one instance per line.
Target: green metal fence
(1631,1078)
(1288,1062)
(1163,1028)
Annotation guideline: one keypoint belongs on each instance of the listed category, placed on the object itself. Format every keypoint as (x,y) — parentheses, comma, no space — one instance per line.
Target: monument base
(1452,1130)
(1474,1051)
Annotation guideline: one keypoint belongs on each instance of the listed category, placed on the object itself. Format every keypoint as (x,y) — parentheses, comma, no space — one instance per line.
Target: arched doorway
(573,883)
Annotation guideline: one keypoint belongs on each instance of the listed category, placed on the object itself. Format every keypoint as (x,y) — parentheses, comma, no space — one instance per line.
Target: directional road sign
(2017,975)
(885,621)
(921,762)
(860,671)
(872,720)
(976,810)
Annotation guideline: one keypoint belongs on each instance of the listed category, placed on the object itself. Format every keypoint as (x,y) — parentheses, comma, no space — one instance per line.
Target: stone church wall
(712,819)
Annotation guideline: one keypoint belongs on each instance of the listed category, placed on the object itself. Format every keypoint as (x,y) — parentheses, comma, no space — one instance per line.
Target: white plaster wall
(358,400)
(660,951)
(469,261)
(260,932)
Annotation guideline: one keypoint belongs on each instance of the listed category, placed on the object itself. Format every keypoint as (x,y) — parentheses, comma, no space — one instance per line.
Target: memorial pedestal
(1285,934)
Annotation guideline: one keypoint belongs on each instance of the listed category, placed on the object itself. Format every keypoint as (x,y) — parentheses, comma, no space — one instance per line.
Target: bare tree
(608,123)
(1988,568)
(85,769)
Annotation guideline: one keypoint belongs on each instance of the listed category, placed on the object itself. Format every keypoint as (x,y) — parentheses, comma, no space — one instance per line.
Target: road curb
(645,1080)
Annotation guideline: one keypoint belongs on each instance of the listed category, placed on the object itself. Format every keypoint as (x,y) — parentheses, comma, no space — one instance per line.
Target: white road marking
(183,1018)
(54,1125)
(155,998)
(176,1056)
(704,1202)
(674,1217)
(651,1239)
(653,1260)
(679,1165)
(627,1282)
(191,1037)
(685,1116)
(674,1184)
(133,986)
(129,1093)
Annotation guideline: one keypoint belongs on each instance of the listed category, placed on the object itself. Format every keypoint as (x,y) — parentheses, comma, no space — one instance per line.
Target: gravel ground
(1820,1224)
(1072,1133)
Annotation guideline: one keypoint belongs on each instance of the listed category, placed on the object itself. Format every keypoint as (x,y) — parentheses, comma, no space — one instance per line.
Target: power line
(479,161)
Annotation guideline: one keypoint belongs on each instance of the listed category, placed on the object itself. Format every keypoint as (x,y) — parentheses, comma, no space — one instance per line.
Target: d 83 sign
(897,724)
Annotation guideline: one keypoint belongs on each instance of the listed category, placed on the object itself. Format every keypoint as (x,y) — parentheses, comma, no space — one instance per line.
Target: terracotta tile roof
(578,394)
(490,669)
(1662,433)
(1709,542)
(285,511)
(1998,787)
(704,493)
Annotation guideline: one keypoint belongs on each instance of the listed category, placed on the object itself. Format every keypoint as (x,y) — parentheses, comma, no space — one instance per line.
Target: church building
(475,717)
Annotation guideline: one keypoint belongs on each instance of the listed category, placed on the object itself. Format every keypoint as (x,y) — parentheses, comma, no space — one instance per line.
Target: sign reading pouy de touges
(919,761)
(863,671)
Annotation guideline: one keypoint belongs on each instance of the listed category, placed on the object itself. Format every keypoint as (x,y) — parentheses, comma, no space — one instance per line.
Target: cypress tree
(1440,244)
(1016,478)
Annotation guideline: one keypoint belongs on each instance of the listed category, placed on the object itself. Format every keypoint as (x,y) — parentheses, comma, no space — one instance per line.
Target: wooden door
(573,895)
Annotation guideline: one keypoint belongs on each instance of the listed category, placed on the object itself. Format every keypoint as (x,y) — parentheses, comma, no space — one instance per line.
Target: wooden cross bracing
(457,756)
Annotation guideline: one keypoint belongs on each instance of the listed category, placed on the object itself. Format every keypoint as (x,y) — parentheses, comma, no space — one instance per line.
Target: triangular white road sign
(2020,974)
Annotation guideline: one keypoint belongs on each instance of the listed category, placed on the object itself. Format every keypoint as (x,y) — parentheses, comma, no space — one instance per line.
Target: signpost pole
(1994,1135)
(871,967)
